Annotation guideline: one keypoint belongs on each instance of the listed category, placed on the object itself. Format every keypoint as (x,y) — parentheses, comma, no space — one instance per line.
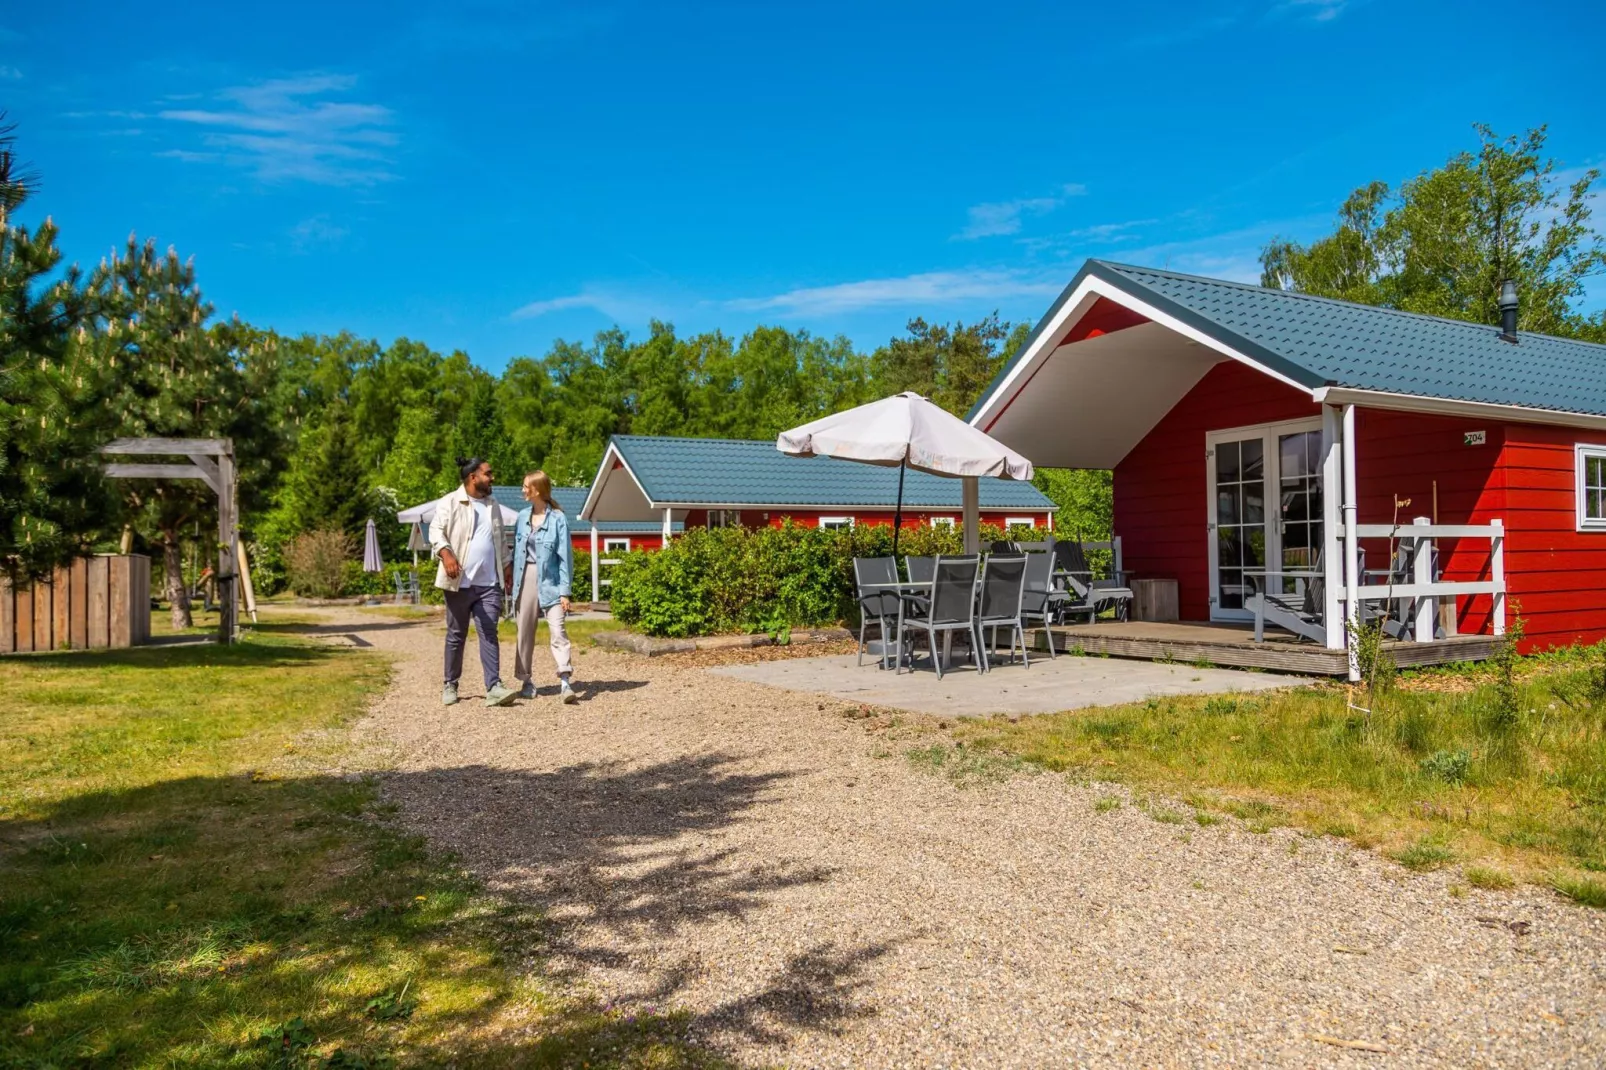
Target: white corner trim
(1583,451)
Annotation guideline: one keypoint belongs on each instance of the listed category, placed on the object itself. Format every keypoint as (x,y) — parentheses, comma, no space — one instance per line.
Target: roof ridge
(703,438)
(1339,301)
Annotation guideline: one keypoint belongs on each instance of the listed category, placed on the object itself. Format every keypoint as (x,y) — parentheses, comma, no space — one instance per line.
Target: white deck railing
(1422,589)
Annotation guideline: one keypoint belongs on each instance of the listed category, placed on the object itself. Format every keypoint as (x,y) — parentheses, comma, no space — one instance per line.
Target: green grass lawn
(1432,777)
(177,892)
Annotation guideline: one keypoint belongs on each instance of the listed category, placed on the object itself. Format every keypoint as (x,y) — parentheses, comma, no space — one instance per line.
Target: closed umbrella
(371,561)
(906,431)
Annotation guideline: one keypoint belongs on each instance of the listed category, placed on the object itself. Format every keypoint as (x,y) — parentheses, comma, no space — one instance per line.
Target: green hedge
(732,580)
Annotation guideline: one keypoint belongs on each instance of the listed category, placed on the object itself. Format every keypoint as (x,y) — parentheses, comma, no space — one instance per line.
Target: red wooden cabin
(1235,416)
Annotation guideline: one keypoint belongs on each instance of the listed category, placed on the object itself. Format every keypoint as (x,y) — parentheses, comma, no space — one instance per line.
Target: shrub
(765,579)
(1448,766)
(315,563)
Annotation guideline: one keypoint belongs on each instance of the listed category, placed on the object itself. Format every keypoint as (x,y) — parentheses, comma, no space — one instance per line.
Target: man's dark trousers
(484,605)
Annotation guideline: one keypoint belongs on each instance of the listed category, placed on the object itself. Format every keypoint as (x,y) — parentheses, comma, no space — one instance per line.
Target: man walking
(466,535)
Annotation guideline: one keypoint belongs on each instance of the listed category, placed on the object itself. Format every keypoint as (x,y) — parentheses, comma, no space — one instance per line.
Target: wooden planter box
(94,603)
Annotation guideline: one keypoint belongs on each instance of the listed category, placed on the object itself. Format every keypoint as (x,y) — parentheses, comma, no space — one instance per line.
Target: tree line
(330,430)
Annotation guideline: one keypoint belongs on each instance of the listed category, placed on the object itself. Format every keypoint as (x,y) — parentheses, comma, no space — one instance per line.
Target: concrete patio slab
(1046,686)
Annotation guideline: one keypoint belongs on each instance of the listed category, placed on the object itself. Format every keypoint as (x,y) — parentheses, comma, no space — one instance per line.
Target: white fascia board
(1478,410)
(907,506)
(604,470)
(1074,309)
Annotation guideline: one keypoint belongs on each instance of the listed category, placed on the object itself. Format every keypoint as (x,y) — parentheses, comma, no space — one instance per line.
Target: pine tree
(49,469)
(170,377)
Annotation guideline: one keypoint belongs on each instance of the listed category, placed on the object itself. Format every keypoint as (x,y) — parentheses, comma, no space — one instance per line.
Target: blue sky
(493,176)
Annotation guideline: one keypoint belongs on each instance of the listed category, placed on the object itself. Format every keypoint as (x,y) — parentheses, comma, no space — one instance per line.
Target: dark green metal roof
(570,500)
(742,472)
(1317,341)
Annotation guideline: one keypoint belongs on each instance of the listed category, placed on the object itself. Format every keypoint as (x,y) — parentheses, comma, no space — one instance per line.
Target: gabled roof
(697,472)
(1328,345)
(571,500)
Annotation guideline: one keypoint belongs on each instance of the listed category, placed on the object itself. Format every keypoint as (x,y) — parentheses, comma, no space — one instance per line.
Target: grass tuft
(1489,878)
(1423,855)
(1586,890)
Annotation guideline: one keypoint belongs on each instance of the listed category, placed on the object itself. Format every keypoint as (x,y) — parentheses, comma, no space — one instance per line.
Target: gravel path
(762,861)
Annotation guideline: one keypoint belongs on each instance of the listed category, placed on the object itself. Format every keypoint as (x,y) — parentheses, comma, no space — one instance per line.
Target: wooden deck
(1234,645)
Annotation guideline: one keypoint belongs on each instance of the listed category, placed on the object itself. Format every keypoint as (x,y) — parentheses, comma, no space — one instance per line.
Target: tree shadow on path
(601,849)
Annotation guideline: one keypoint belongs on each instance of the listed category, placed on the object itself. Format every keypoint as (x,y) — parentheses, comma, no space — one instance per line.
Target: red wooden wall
(1162,488)
(581,537)
(1556,574)
(1522,474)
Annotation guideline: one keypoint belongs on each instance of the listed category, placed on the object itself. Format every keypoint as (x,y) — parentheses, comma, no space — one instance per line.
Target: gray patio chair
(1003,586)
(407,593)
(1001,546)
(1041,604)
(1088,594)
(877,607)
(950,609)
(1302,612)
(919,568)
(1399,618)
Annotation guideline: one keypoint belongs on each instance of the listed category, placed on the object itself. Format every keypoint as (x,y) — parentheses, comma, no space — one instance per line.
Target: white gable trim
(1091,288)
(604,470)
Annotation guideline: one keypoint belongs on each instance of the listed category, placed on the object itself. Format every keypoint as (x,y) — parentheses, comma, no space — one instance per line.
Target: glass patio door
(1249,467)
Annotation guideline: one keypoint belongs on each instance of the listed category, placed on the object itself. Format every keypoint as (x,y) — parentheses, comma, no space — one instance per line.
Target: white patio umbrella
(906,431)
(371,561)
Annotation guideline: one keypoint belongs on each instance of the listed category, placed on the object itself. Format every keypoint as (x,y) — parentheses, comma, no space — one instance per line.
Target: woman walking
(543,564)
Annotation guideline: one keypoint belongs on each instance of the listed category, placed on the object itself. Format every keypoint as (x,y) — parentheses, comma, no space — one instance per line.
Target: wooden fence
(93,603)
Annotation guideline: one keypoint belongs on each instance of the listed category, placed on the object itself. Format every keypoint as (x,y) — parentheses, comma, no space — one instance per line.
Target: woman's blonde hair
(539,485)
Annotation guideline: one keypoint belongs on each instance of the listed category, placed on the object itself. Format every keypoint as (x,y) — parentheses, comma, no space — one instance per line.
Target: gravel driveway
(813,899)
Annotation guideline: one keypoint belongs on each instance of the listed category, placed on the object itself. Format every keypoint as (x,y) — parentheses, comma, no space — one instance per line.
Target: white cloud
(284,130)
(1314,10)
(998,218)
(1003,217)
(556,304)
(928,289)
(315,231)
(10,74)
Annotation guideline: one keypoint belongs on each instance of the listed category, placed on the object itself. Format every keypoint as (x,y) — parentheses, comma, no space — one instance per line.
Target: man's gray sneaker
(500,696)
(528,690)
(566,694)
(449,695)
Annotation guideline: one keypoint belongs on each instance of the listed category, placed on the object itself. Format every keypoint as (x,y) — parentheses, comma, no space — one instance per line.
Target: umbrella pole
(897,512)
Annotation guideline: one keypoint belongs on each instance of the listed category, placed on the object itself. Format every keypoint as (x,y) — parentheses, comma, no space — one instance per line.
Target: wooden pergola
(211,460)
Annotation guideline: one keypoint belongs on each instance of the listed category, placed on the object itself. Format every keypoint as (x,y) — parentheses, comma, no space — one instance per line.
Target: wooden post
(1427,609)
(1332,522)
(246,588)
(596,567)
(78,609)
(41,614)
(970,496)
(119,601)
(60,608)
(1497,573)
(100,635)
(8,618)
(227,584)
(1352,550)
(24,619)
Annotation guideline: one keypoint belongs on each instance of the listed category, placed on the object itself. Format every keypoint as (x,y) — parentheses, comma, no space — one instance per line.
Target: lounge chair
(1088,595)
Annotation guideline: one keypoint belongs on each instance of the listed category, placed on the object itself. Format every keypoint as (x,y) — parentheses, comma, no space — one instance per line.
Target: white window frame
(833,522)
(1268,433)
(1583,452)
(618,544)
(728,518)
(944,522)
(1019,521)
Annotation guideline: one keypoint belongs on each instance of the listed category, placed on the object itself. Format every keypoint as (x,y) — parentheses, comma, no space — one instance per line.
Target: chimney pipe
(1508,311)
